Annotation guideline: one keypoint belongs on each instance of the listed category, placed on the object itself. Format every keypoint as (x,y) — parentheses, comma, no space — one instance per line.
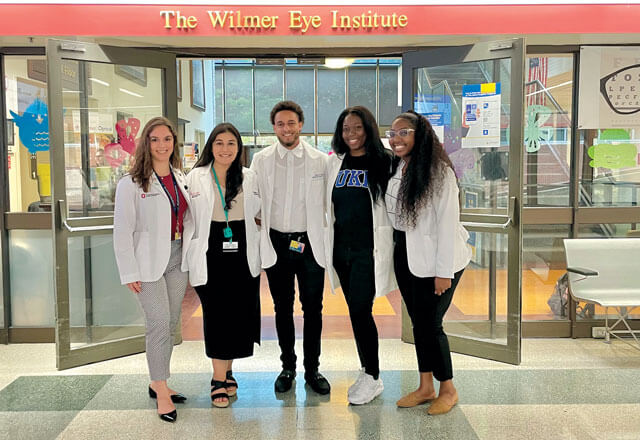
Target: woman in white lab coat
(430,250)
(152,228)
(224,259)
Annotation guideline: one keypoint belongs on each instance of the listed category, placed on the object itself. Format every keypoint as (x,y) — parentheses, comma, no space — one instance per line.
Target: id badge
(296,246)
(178,235)
(229,246)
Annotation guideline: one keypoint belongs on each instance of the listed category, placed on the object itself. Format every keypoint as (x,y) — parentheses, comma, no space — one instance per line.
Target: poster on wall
(609,92)
(437,122)
(437,108)
(481,115)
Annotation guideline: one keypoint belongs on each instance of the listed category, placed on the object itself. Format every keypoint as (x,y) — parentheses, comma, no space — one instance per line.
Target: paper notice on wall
(481,115)
(437,122)
(609,92)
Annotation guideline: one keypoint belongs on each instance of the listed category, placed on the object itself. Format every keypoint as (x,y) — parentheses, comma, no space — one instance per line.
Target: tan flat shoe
(439,406)
(411,400)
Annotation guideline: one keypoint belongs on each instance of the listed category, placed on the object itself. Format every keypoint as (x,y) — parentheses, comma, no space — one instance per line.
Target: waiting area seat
(606,272)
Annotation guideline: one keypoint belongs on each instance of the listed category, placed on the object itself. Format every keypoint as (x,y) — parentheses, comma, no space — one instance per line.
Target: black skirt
(231,298)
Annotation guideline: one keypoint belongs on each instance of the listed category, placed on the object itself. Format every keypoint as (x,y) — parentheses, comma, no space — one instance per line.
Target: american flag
(538,70)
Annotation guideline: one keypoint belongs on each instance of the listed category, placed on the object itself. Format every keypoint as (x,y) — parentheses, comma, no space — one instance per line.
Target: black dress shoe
(317,382)
(168,417)
(175,398)
(284,381)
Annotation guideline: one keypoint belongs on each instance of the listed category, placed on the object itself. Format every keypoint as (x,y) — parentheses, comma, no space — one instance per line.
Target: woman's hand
(441,285)
(135,287)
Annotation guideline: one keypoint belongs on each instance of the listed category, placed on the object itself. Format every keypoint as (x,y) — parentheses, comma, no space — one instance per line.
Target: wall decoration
(613,150)
(137,74)
(609,84)
(196,68)
(534,131)
(127,130)
(179,77)
(33,126)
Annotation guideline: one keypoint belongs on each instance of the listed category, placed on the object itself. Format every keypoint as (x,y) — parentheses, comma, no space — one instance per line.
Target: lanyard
(175,205)
(228,233)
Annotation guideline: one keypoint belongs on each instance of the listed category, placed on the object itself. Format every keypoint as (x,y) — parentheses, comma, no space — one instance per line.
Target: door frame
(63,227)
(510,223)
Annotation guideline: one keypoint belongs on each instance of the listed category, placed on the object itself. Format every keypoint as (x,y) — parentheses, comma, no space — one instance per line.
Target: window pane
(547,122)
(543,265)
(28,173)
(238,99)
(388,90)
(268,82)
(610,173)
(217,87)
(300,89)
(331,98)
(362,87)
(324,143)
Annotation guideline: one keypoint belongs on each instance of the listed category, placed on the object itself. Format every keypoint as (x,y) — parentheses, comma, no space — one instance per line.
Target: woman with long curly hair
(430,250)
(224,262)
(358,245)
(152,229)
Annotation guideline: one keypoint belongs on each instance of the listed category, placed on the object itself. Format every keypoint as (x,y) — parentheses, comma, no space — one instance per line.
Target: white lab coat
(203,192)
(315,163)
(437,246)
(142,229)
(382,236)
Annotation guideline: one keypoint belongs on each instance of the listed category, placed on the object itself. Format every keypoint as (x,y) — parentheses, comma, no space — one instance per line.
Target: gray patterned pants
(161,303)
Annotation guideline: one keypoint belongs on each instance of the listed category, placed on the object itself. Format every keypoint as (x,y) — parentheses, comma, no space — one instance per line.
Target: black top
(352,205)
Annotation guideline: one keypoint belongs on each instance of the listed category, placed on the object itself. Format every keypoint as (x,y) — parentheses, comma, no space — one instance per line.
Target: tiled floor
(564,389)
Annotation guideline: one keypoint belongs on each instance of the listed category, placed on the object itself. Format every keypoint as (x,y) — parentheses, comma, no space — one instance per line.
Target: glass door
(100,98)
(473,96)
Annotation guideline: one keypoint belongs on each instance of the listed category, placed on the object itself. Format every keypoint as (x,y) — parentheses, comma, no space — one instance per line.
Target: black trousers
(281,277)
(426,310)
(355,270)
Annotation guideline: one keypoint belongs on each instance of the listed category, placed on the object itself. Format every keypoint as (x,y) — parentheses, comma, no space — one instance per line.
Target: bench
(606,272)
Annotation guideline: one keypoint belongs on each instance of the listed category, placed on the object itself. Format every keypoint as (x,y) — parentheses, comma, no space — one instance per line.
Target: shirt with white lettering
(352,206)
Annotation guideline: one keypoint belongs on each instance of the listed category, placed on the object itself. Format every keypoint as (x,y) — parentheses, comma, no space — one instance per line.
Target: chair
(606,272)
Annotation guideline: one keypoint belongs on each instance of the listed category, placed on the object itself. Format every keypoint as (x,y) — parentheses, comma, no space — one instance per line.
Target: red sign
(260,20)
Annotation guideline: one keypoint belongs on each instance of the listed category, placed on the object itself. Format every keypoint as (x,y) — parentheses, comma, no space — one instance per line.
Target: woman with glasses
(152,228)
(224,260)
(359,235)
(430,250)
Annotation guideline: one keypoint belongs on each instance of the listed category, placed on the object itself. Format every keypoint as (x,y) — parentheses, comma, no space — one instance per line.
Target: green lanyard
(228,233)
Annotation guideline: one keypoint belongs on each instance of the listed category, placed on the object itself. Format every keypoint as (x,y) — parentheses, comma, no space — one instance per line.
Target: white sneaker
(355,385)
(367,390)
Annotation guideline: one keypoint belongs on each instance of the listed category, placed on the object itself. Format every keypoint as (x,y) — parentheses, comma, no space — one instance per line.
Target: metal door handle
(495,227)
(67,223)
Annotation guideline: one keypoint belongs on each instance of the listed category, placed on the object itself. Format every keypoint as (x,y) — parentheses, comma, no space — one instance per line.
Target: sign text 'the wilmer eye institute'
(295,21)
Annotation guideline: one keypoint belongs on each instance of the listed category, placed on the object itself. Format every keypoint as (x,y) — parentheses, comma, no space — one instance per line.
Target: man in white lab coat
(291,180)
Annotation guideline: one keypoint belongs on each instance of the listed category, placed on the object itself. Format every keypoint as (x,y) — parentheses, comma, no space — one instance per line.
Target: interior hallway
(564,389)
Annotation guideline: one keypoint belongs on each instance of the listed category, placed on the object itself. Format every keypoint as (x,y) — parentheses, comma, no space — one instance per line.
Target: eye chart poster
(609,93)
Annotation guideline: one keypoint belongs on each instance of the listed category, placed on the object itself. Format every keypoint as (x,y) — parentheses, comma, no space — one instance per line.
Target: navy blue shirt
(352,205)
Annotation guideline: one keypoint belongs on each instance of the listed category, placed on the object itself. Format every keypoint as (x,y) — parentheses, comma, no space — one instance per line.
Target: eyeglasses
(619,89)
(404,132)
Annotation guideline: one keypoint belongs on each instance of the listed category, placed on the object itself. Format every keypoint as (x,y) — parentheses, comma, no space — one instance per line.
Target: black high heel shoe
(168,417)
(175,398)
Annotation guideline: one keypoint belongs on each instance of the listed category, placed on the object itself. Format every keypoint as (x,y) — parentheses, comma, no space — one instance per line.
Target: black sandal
(215,386)
(231,382)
